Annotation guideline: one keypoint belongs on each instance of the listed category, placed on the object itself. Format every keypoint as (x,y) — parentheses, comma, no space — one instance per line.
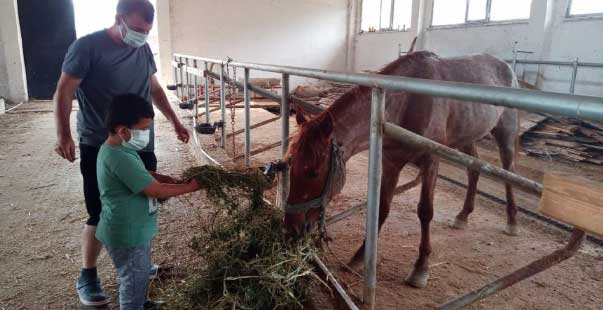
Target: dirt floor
(42,213)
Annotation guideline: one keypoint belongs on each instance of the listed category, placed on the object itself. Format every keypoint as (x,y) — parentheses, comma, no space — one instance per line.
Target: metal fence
(584,107)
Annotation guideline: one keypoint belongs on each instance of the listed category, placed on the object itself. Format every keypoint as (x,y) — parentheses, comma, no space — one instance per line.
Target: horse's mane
(309,132)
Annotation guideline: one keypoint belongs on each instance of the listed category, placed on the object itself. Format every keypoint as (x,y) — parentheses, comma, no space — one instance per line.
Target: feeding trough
(208,128)
(188,105)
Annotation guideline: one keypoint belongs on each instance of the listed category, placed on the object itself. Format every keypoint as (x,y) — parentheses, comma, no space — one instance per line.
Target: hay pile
(249,263)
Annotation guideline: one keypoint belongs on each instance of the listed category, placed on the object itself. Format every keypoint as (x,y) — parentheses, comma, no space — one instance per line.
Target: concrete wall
(308,33)
(13,85)
(551,36)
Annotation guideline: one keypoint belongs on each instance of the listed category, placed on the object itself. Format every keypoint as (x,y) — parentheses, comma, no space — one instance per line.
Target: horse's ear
(326,124)
(300,116)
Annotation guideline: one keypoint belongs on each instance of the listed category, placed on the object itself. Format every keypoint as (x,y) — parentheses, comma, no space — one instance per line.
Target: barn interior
(206,54)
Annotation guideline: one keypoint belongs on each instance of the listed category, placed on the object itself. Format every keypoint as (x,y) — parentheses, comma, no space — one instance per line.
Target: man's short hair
(142,7)
(127,110)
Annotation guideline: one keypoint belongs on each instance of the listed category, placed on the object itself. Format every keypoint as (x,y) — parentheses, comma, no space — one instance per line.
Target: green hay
(249,262)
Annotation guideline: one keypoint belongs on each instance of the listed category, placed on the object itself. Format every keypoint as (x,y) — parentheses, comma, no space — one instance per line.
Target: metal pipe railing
(247,118)
(374,192)
(415,141)
(545,102)
(222,105)
(557,63)
(586,107)
(207,94)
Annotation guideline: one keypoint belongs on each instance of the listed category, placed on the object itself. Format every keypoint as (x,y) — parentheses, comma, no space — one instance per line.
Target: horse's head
(308,159)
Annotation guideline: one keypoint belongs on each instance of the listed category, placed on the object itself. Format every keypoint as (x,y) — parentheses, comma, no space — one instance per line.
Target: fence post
(182,79)
(285,109)
(195,95)
(176,78)
(247,118)
(207,95)
(223,106)
(574,76)
(374,187)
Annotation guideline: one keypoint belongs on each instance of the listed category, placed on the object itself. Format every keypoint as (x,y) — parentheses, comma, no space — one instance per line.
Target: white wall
(307,33)
(13,85)
(564,40)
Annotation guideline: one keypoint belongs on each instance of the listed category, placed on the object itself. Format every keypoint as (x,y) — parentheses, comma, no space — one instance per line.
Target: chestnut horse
(342,131)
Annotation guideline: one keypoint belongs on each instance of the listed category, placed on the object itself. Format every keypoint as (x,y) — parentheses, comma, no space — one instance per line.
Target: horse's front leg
(420,273)
(389,180)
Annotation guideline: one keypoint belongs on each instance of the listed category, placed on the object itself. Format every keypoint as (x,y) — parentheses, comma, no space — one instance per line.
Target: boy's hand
(164,178)
(195,184)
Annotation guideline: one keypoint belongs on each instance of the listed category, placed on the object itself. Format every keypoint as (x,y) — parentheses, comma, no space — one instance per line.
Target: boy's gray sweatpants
(133,265)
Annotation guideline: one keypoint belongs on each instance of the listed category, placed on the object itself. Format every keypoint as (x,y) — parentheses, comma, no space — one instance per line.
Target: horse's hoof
(459,224)
(512,230)
(418,279)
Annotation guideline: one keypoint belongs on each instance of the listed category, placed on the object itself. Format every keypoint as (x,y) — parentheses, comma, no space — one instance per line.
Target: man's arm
(162,103)
(63,100)
(161,178)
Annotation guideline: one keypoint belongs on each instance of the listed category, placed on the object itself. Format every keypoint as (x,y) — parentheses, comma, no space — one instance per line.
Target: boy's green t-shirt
(128,217)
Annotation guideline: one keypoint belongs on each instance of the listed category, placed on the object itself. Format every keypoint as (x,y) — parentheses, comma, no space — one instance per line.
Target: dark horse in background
(451,122)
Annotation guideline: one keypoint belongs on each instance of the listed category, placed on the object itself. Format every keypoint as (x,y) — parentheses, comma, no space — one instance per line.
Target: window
(386,15)
(585,7)
(459,12)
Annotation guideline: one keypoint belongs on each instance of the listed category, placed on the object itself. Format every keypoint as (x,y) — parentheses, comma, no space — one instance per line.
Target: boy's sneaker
(91,293)
(154,271)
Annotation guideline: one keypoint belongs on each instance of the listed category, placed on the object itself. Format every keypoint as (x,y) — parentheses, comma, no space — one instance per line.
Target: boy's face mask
(139,139)
(132,38)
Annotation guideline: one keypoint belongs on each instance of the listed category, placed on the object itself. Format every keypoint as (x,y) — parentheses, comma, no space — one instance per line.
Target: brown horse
(342,131)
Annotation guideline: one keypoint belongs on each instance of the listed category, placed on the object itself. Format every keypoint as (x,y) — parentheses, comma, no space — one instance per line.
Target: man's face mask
(139,139)
(132,38)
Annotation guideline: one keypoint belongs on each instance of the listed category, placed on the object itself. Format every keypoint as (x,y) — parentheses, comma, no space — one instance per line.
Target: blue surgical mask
(139,139)
(133,38)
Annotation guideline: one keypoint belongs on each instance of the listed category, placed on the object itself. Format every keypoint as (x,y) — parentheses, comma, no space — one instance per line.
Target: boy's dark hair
(127,110)
(142,7)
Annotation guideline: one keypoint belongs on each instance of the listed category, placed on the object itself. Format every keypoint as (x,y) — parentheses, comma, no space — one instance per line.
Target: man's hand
(65,148)
(181,132)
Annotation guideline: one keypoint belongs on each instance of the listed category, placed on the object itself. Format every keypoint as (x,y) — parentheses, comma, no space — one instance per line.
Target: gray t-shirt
(107,69)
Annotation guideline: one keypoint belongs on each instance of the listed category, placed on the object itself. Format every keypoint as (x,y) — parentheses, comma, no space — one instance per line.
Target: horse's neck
(351,123)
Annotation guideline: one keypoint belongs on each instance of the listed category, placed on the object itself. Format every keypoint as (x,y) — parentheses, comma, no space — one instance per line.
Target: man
(98,67)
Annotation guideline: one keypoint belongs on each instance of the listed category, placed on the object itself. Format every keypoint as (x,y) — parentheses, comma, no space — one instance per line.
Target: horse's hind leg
(508,143)
(420,273)
(460,222)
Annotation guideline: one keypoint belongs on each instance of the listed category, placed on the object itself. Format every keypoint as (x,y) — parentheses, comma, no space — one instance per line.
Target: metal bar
(348,301)
(285,110)
(574,76)
(374,192)
(181,79)
(306,106)
(176,78)
(559,63)
(222,106)
(196,95)
(546,262)
(260,124)
(261,149)
(247,118)
(514,64)
(413,140)
(585,107)
(188,83)
(207,94)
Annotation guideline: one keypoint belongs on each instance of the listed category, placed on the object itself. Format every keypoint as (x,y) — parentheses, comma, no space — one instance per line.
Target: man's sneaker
(154,271)
(91,293)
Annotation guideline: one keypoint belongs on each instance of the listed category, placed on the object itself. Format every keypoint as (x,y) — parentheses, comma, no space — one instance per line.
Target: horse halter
(334,183)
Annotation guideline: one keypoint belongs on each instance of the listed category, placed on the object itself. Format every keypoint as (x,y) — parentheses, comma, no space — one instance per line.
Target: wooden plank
(573,201)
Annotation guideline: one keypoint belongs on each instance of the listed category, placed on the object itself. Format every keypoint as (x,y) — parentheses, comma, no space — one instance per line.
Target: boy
(129,196)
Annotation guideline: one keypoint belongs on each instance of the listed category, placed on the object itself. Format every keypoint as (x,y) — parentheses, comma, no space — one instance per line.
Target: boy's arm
(161,178)
(162,190)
